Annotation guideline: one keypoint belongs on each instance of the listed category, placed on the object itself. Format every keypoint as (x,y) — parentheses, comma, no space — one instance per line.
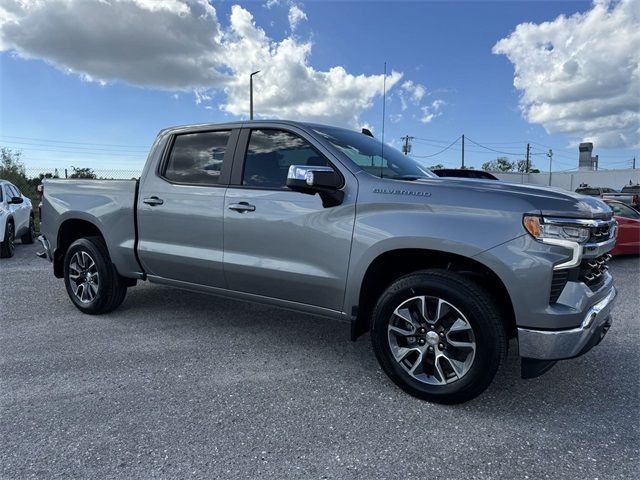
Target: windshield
(367,153)
(631,189)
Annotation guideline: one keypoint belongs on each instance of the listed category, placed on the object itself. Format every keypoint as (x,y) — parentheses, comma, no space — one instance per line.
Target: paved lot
(175,384)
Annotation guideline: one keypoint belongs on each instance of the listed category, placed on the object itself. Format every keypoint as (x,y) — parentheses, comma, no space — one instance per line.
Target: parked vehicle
(464,173)
(628,218)
(16,219)
(326,221)
(595,191)
(630,194)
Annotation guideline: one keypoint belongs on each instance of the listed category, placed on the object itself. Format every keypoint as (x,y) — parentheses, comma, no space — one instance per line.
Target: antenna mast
(384,101)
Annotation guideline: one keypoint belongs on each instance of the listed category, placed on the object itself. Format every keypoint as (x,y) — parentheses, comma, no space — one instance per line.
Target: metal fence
(101,174)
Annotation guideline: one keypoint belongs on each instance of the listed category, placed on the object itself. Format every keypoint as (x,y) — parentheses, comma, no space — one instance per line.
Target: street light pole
(251,94)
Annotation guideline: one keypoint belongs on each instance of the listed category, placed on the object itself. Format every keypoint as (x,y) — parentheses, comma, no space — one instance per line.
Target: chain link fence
(34,174)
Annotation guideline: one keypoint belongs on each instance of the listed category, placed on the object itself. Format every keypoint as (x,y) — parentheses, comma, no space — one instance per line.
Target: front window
(269,155)
(372,157)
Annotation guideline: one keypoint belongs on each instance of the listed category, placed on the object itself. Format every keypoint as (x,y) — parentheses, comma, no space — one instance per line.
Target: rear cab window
(197,158)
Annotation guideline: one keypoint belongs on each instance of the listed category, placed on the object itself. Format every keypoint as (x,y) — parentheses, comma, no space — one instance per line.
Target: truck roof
(247,123)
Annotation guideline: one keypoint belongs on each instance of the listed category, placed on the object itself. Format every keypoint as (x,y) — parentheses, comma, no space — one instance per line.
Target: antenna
(384,101)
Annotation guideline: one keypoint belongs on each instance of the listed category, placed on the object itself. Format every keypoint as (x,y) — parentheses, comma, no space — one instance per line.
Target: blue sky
(59,119)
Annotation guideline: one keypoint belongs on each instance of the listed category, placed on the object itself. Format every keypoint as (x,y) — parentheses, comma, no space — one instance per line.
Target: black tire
(481,314)
(7,247)
(30,236)
(110,290)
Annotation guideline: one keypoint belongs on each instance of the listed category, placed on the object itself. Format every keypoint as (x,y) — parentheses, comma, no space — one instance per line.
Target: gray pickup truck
(328,221)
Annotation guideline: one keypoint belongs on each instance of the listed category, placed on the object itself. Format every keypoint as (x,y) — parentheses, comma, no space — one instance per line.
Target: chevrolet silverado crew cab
(327,221)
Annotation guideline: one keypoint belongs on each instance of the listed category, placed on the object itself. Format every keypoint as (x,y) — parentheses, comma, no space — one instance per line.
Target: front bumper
(569,343)
(46,253)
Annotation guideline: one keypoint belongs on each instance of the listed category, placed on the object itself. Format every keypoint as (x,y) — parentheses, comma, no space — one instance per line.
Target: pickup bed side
(74,209)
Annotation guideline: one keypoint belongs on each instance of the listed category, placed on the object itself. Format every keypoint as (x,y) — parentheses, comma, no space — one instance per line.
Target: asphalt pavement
(177,384)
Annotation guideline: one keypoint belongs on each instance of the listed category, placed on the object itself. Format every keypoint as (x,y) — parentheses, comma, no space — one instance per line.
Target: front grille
(558,282)
(601,232)
(592,271)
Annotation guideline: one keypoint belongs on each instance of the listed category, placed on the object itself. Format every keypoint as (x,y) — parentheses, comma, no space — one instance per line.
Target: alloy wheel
(431,340)
(83,277)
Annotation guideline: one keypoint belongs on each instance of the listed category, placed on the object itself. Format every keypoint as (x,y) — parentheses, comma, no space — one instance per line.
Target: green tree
(521,166)
(500,164)
(12,169)
(436,166)
(83,173)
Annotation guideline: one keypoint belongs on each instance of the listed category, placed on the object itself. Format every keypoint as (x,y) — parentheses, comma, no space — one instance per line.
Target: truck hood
(550,201)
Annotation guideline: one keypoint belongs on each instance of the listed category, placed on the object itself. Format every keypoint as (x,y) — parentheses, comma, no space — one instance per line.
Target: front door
(279,243)
(180,209)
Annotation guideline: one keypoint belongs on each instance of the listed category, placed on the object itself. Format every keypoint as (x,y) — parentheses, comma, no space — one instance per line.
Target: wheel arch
(388,266)
(69,231)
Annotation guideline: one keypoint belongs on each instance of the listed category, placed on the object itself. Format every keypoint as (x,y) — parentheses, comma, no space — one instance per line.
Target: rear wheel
(7,247)
(92,282)
(438,336)
(30,236)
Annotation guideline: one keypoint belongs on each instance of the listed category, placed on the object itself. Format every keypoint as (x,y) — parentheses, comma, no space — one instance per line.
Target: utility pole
(462,152)
(634,163)
(251,94)
(527,167)
(550,155)
(406,148)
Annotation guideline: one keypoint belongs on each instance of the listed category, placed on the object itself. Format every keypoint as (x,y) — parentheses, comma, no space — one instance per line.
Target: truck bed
(107,204)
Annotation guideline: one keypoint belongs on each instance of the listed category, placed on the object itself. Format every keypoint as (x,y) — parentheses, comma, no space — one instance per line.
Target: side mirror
(315,179)
(16,200)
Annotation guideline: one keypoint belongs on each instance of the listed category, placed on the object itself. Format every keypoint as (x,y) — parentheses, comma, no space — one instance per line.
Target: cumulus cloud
(180,45)
(170,44)
(288,86)
(580,75)
(296,15)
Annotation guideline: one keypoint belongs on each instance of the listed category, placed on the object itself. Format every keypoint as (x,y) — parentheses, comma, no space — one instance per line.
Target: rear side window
(197,158)
(270,153)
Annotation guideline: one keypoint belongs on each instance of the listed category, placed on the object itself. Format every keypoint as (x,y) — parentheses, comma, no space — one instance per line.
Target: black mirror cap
(16,200)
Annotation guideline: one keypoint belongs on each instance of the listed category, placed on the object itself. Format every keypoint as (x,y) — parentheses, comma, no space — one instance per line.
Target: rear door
(180,208)
(279,243)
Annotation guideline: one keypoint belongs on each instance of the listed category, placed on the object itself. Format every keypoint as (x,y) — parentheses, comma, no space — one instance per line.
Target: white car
(16,219)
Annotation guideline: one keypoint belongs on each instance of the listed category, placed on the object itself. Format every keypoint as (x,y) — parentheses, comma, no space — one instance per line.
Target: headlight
(543,231)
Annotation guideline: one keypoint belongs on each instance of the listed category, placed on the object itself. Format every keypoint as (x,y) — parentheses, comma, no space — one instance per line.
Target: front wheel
(438,336)
(7,246)
(92,282)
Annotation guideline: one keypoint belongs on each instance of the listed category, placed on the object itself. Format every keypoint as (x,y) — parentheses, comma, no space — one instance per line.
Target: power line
(74,143)
(73,148)
(441,151)
(493,149)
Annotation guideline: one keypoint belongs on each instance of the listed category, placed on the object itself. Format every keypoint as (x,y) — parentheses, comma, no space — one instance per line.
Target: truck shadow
(572,390)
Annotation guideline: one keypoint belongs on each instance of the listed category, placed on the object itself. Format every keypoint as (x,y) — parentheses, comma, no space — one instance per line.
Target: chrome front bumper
(46,253)
(560,344)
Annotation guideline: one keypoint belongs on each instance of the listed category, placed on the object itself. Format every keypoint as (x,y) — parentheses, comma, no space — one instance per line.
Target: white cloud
(271,3)
(179,45)
(296,15)
(429,112)
(580,75)
(416,90)
(288,87)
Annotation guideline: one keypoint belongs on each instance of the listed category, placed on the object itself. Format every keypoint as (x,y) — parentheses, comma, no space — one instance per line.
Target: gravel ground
(175,384)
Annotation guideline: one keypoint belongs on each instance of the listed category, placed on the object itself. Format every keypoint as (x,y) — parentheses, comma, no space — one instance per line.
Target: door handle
(153,201)
(242,207)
